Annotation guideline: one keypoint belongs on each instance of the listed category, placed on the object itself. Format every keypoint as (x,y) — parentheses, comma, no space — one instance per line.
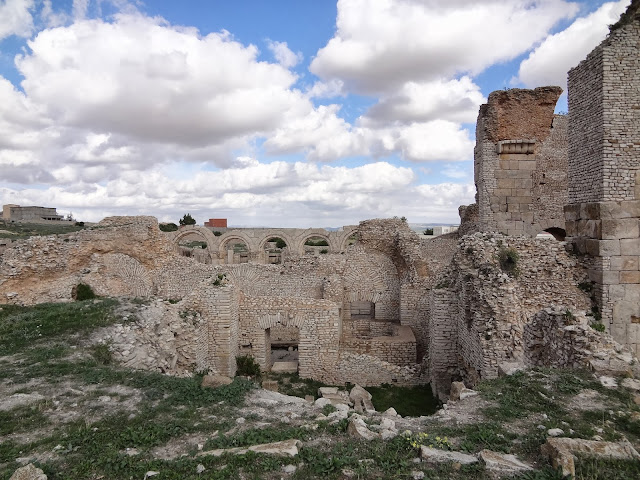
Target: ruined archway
(234,249)
(275,248)
(315,244)
(194,242)
(558,233)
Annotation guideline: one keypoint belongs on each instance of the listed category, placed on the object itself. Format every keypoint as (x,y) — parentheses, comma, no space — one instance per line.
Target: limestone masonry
(374,303)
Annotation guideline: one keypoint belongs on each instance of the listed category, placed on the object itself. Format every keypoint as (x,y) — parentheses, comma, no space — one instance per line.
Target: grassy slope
(44,347)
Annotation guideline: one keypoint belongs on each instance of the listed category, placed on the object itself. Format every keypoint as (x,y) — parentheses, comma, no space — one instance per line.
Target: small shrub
(247,366)
(217,233)
(82,291)
(428,231)
(508,259)
(420,439)
(280,243)
(586,286)
(79,224)
(102,354)
(598,326)
(221,280)
(168,227)
(324,250)
(328,409)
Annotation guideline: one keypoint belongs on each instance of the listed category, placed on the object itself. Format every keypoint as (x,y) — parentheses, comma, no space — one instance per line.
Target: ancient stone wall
(603,211)
(520,162)
(479,309)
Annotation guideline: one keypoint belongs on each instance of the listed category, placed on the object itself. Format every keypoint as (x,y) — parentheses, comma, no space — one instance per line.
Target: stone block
(632,293)
(593,229)
(590,211)
(619,210)
(620,228)
(630,277)
(630,246)
(604,277)
(623,311)
(572,212)
(603,248)
(624,263)
(527,165)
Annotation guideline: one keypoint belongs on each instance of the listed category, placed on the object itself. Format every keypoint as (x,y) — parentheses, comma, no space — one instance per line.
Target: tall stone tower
(602,217)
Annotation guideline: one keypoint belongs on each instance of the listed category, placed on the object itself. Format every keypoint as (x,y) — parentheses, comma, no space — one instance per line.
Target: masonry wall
(520,162)
(603,211)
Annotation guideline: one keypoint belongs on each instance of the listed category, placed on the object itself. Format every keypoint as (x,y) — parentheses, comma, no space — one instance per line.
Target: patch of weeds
(21,327)
(407,401)
(417,440)
(101,352)
(82,291)
(45,353)
(486,435)
(247,367)
(547,473)
(598,326)
(275,433)
(292,384)
(586,286)
(22,419)
(508,259)
(517,396)
(221,279)
(599,468)
(173,301)
(324,251)
(328,409)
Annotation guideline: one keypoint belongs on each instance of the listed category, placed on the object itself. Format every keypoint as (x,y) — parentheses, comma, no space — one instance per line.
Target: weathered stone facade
(603,211)
(520,162)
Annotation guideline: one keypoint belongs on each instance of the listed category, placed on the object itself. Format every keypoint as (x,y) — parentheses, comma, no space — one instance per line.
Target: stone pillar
(520,162)
(603,211)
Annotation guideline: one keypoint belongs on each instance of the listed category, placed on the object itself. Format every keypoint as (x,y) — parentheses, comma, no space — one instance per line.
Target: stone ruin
(391,307)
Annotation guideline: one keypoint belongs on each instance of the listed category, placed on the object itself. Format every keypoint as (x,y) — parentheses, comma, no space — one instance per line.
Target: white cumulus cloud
(549,63)
(15,18)
(381,44)
(283,55)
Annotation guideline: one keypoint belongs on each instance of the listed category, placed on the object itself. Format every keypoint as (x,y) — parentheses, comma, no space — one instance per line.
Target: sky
(282,113)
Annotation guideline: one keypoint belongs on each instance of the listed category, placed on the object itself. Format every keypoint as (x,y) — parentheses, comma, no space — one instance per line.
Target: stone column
(603,214)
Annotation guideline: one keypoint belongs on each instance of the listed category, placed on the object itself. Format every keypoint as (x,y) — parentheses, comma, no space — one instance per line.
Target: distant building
(441,230)
(216,223)
(16,213)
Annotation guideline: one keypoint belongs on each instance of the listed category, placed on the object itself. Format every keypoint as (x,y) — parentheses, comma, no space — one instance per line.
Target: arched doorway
(556,232)
(315,245)
(275,250)
(234,250)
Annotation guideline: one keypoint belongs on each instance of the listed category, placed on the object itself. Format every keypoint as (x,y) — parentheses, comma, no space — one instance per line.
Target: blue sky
(292,113)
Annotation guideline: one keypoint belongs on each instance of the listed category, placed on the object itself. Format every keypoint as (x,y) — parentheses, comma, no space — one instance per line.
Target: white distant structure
(443,229)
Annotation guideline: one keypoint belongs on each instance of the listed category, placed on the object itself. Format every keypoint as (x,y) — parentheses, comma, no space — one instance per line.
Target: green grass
(292,384)
(25,230)
(21,327)
(411,401)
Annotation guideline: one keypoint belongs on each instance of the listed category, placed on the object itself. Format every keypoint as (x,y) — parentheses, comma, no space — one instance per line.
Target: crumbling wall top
(519,114)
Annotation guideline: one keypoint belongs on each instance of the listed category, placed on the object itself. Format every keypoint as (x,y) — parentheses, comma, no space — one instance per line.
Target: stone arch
(315,233)
(346,234)
(225,238)
(552,226)
(271,234)
(208,237)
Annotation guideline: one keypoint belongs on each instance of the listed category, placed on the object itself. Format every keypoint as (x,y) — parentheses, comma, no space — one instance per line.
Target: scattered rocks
(501,464)
(28,472)
(214,381)
(460,392)
(358,429)
(361,399)
(631,384)
(289,469)
(271,385)
(434,456)
(286,447)
(555,432)
(561,452)
(608,382)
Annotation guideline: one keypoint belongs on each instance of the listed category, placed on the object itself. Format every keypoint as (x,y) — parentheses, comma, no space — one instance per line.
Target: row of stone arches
(255,245)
